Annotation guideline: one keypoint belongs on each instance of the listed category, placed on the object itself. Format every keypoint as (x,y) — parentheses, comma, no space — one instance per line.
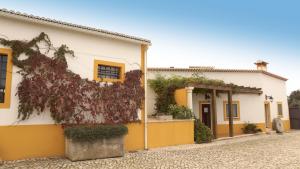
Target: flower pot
(97,149)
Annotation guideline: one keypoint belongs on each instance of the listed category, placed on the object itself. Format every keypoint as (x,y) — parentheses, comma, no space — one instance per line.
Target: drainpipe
(146,98)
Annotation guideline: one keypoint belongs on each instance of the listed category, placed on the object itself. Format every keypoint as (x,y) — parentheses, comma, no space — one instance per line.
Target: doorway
(267,115)
(205,114)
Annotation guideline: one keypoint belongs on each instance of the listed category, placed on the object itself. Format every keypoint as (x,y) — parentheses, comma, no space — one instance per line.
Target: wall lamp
(207,96)
(269,98)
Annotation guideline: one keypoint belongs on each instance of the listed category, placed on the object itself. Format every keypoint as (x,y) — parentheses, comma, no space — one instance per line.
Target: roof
(227,87)
(203,69)
(48,21)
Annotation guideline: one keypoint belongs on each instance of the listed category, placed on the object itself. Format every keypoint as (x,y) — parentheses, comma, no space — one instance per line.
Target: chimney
(261,65)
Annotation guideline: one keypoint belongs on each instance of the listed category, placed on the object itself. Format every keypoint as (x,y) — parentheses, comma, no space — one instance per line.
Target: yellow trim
(6,103)
(143,67)
(286,125)
(108,63)
(33,141)
(238,109)
(223,129)
(280,115)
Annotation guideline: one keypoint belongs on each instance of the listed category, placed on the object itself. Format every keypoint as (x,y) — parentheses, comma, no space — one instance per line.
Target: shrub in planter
(202,133)
(250,128)
(180,112)
(93,142)
(94,132)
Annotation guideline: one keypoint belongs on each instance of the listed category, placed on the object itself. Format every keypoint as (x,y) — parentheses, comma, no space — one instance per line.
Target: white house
(267,100)
(39,136)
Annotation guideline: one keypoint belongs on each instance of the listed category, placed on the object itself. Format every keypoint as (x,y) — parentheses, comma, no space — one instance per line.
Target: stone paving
(259,151)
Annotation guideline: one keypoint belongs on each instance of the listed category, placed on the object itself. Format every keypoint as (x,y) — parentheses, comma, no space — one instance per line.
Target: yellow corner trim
(8,52)
(108,63)
(225,110)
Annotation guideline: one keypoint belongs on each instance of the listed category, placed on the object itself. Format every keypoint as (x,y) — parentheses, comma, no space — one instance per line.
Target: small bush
(180,112)
(92,133)
(251,128)
(202,133)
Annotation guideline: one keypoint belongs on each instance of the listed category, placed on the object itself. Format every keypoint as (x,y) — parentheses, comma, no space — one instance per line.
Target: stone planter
(164,117)
(102,148)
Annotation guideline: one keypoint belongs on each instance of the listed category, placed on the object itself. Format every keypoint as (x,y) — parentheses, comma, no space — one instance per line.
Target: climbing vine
(48,84)
(165,88)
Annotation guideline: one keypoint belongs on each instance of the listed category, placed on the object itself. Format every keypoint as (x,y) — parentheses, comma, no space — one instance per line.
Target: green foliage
(92,133)
(180,112)
(166,87)
(202,133)
(294,99)
(250,128)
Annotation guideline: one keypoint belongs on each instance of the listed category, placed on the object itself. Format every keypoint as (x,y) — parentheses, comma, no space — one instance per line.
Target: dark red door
(206,114)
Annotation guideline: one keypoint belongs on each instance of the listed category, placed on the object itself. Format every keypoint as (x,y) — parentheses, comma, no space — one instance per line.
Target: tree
(294,99)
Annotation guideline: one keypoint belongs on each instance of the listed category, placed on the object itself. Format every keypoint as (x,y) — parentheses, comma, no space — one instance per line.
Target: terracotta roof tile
(4,12)
(217,70)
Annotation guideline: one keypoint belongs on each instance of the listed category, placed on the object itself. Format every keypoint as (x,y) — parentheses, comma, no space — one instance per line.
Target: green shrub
(92,133)
(202,133)
(250,128)
(180,112)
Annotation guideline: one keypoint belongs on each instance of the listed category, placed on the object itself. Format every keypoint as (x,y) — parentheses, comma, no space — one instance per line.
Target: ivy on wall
(47,83)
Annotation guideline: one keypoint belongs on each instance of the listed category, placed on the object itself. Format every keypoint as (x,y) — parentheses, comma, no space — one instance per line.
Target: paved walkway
(261,151)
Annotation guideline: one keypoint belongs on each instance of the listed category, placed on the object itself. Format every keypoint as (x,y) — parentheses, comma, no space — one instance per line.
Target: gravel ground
(259,151)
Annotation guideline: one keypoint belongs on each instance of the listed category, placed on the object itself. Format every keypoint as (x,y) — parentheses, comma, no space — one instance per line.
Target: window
(235,110)
(280,109)
(108,71)
(3,64)
(5,77)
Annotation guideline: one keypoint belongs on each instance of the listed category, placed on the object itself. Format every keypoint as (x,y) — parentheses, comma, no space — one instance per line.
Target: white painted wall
(251,105)
(277,89)
(87,48)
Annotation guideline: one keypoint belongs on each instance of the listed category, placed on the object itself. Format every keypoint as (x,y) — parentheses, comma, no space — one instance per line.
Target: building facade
(39,136)
(260,108)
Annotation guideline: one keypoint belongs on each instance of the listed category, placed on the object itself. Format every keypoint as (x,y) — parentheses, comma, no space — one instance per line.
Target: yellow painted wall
(28,141)
(181,97)
(31,141)
(135,139)
(170,133)
(287,125)
(223,129)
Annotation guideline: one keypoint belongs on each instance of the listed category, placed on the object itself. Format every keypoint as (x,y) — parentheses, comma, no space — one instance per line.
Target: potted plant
(94,142)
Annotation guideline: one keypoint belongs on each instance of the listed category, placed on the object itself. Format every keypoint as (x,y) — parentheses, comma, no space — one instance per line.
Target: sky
(219,33)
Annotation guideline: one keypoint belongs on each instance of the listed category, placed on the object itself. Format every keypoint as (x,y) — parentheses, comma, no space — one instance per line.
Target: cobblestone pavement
(260,151)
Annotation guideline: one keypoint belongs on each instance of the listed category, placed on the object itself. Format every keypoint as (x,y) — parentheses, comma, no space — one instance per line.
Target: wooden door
(206,115)
(267,115)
